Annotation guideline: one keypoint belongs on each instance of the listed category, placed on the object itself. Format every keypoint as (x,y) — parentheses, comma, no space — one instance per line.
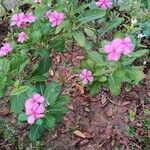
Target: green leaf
(19,90)
(58,110)
(4,66)
(39,122)
(3,86)
(90,33)
(39,78)
(136,75)
(131,115)
(22,117)
(130,131)
(61,101)
(52,91)
(111,25)
(40,88)
(95,88)
(96,57)
(58,44)
(44,65)
(35,132)
(17,102)
(49,121)
(114,85)
(79,38)
(91,15)
(23,65)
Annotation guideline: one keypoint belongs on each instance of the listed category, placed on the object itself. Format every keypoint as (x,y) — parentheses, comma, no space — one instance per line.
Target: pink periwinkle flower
(86,76)
(104,4)
(22,19)
(55,18)
(37,1)
(118,47)
(5,49)
(22,37)
(35,108)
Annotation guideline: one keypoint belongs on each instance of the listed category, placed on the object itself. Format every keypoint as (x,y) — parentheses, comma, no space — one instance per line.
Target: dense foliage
(110,34)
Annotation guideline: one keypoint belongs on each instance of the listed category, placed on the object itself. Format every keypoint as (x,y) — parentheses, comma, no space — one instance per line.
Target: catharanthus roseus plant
(40,107)
(112,66)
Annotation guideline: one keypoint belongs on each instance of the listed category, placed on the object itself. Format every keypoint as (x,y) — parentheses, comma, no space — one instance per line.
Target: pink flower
(22,19)
(22,37)
(5,49)
(37,1)
(118,47)
(127,46)
(55,18)
(35,108)
(86,76)
(104,4)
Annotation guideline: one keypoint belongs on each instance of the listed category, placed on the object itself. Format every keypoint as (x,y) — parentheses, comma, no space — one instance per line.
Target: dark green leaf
(59,44)
(95,88)
(44,65)
(49,121)
(91,15)
(114,85)
(22,117)
(35,132)
(52,91)
(79,38)
(17,102)
(111,25)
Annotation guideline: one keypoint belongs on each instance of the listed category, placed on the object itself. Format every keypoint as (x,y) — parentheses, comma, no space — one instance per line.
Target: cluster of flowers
(55,18)
(5,49)
(22,20)
(35,108)
(104,4)
(118,47)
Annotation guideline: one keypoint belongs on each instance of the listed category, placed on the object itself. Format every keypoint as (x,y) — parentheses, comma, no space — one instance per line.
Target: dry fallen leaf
(51,72)
(125,103)
(80,88)
(79,134)
(104,99)
(109,112)
(108,131)
(70,106)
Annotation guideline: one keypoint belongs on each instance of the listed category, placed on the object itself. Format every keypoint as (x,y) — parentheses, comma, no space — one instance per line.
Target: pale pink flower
(127,46)
(55,18)
(22,19)
(5,49)
(37,1)
(22,37)
(113,50)
(35,108)
(104,4)
(118,47)
(86,76)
